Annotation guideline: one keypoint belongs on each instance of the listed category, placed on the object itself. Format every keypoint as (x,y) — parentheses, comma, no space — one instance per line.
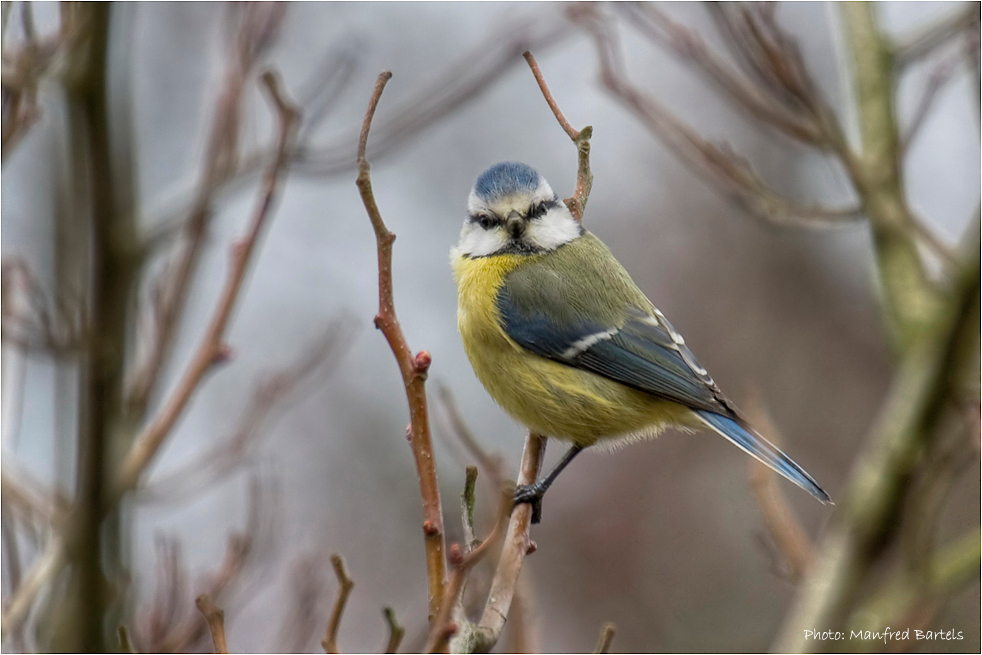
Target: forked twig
(215,616)
(345,585)
(396,631)
(580,138)
(212,348)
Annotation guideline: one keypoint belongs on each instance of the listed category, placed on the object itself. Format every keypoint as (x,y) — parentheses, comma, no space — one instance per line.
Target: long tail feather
(758,447)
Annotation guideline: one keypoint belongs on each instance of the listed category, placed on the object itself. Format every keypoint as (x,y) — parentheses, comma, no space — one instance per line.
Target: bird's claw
(532,494)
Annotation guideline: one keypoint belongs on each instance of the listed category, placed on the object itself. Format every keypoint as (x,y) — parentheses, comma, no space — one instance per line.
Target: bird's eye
(485,222)
(538,209)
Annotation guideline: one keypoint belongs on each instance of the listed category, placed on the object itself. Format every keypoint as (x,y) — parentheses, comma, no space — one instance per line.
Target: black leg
(533,493)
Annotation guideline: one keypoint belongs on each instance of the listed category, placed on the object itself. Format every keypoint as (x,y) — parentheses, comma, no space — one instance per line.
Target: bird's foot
(532,494)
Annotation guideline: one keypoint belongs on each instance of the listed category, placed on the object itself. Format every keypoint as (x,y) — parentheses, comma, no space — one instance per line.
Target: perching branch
(580,138)
(215,617)
(212,348)
(413,369)
(516,547)
(345,585)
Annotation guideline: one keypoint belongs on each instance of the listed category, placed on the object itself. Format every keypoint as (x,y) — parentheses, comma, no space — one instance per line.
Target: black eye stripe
(484,220)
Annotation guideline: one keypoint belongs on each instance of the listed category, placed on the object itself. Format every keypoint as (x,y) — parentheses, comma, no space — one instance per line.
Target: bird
(566,343)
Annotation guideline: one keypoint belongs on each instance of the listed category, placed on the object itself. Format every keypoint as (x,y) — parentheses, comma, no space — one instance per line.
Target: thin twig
(718,165)
(580,138)
(125,639)
(607,634)
(396,631)
(257,26)
(414,371)
(462,562)
(45,567)
(345,585)
(925,40)
(215,616)
(272,394)
(688,45)
(212,348)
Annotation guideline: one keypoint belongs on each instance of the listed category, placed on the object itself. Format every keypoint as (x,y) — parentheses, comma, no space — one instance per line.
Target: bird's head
(513,210)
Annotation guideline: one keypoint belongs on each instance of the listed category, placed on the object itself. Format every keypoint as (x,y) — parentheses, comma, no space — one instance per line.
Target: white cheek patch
(554,229)
(478,242)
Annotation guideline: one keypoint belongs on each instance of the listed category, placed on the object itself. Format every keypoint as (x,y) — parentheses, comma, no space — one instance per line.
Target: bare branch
(215,617)
(580,138)
(45,567)
(490,463)
(255,27)
(690,47)
(345,585)
(212,347)
(516,547)
(463,82)
(607,634)
(396,631)
(462,561)
(414,371)
(930,37)
(273,394)
(717,165)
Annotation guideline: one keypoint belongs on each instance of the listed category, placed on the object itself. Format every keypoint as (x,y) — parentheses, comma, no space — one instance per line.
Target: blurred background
(665,538)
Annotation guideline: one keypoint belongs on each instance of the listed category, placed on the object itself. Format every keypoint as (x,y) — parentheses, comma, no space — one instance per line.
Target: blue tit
(566,343)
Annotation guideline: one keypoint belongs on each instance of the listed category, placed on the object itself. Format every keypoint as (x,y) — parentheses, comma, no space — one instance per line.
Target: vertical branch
(413,369)
(516,547)
(910,299)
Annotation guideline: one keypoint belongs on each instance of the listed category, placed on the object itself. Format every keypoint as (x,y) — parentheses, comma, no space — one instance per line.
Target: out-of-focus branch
(345,585)
(949,570)
(607,634)
(866,523)
(212,348)
(756,100)
(414,371)
(272,394)
(257,25)
(125,640)
(396,631)
(215,617)
(45,567)
(936,81)
(580,138)
(911,300)
(789,535)
(489,463)
(930,37)
(461,83)
(718,165)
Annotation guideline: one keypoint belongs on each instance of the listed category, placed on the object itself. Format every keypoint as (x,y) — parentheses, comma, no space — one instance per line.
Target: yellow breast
(548,397)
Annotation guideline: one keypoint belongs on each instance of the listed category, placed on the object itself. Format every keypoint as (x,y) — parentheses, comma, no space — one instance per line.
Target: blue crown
(505,179)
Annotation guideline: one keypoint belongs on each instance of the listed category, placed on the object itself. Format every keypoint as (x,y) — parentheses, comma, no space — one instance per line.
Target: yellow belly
(548,397)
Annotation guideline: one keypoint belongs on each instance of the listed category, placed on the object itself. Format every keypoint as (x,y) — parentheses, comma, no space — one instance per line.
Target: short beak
(515,224)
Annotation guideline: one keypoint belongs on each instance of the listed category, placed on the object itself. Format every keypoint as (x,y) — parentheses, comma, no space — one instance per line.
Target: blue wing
(645,353)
